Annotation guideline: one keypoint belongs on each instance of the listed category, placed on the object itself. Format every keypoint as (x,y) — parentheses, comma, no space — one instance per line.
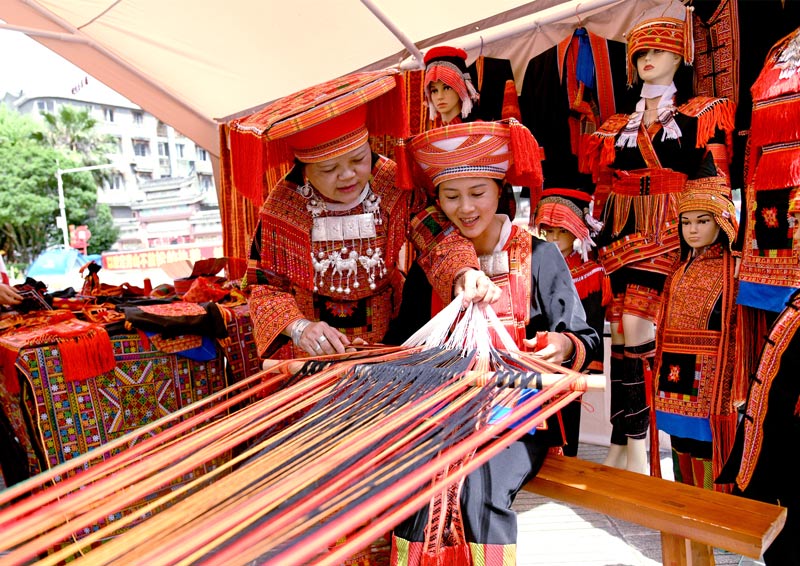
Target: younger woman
(468,165)
(695,344)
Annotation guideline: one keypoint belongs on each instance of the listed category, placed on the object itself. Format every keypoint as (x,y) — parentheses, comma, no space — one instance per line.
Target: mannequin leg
(637,456)
(616,456)
(639,351)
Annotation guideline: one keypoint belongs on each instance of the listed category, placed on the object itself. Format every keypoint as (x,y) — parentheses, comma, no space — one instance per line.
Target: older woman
(323,269)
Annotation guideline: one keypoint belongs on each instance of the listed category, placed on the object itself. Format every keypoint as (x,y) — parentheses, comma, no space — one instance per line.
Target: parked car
(59,268)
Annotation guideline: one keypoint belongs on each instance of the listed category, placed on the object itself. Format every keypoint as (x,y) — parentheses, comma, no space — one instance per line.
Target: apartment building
(162,188)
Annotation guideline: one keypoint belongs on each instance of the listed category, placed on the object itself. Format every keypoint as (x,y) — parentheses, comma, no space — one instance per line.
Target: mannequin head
(448,88)
(707,215)
(656,66)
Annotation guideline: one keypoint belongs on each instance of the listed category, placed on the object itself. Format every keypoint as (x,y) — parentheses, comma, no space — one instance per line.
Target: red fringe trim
(776,122)
(769,84)
(248,164)
(723,430)
(388,114)
(778,169)
(510,102)
(83,357)
(719,114)
(526,169)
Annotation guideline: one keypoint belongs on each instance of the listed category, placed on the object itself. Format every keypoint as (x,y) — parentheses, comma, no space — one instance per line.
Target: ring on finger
(322,339)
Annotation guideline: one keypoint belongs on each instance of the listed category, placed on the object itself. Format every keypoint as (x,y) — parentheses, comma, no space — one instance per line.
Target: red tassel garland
(776,121)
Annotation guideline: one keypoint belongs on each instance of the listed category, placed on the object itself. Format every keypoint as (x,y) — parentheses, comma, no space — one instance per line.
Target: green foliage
(104,233)
(29,190)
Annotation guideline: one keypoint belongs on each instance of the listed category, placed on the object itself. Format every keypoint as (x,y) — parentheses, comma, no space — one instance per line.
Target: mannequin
(642,161)
(449,91)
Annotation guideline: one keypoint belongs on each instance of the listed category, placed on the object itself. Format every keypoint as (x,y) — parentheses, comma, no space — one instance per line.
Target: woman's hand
(318,338)
(477,288)
(559,348)
(8,295)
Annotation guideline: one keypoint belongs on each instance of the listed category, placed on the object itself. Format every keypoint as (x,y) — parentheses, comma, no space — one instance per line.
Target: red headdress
(711,194)
(316,124)
(498,150)
(667,28)
(449,65)
(569,209)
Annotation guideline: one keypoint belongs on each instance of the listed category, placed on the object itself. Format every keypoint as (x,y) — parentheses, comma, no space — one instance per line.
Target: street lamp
(61,221)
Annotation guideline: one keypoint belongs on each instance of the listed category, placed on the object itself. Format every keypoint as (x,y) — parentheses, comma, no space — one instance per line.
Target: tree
(73,131)
(29,191)
(104,233)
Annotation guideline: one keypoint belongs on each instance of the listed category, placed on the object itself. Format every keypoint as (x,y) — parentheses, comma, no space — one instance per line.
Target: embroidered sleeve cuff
(271,312)
(578,360)
(442,251)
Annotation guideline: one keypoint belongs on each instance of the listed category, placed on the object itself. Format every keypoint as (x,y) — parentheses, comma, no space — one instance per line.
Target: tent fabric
(197,63)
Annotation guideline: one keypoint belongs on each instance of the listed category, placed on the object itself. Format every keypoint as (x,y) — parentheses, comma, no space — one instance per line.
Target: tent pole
(416,55)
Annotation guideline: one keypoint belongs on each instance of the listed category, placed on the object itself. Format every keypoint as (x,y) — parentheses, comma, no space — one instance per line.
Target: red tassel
(86,356)
(403,175)
(526,169)
(511,102)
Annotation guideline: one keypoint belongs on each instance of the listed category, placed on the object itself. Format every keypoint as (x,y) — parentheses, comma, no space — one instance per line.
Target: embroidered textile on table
(72,418)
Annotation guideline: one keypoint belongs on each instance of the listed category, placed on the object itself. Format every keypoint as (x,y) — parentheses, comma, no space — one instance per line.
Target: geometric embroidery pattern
(76,416)
(770,216)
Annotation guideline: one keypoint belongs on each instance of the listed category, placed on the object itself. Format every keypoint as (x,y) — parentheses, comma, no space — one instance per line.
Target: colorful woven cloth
(145,384)
(83,346)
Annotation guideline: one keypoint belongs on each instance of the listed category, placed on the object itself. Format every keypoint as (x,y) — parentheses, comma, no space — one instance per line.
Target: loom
(317,451)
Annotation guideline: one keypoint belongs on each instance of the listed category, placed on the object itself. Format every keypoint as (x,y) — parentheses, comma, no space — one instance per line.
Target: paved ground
(556,534)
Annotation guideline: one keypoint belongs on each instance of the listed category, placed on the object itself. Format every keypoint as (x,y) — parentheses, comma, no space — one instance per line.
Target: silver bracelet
(297,330)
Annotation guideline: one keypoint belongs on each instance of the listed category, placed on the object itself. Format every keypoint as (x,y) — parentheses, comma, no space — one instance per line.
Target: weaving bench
(692,521)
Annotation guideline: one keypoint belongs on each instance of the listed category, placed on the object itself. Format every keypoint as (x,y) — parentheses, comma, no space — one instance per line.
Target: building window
(117,182)
(141,148)
(206,183)
(179,150)
(163,149)
(108,114)
(118,143)
(202,154)
(138,118)
(45,106)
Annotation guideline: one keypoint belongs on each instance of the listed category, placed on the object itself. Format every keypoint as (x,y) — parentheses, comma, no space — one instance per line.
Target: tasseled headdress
(569,209)
(711,194)
(316,124)
(503,150)
(666,28)
(449,65)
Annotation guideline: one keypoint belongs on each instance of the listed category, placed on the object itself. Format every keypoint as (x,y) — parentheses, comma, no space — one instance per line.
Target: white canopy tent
(197,63)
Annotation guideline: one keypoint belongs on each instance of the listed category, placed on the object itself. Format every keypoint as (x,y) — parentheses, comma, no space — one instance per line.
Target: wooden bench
(692,521)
